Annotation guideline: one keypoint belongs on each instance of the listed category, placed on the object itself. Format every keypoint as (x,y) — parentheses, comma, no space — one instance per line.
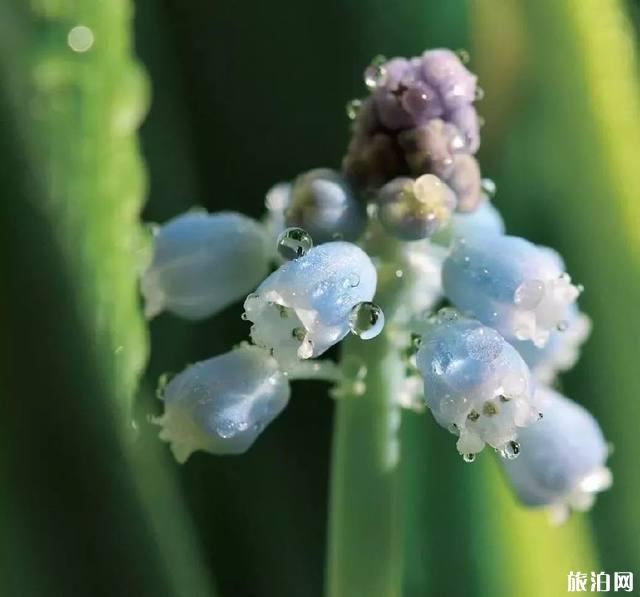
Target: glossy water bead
(563,460)
(303,308)
(222,404)
(294,243)
(204,262)
(475,383)
(511,284)
(366,320)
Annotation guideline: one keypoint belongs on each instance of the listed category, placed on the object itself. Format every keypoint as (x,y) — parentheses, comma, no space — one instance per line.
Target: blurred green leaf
(568,171)
(96,508)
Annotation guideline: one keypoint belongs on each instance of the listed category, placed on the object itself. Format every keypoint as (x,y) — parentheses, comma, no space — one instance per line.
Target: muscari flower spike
(476,384)
(511,284)
(411,156)
(561,351)
(222,404)
(204,262)
(304,307)
(563,460)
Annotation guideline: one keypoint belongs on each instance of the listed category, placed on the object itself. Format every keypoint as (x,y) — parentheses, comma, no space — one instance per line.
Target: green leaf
(567,174)
(92,495)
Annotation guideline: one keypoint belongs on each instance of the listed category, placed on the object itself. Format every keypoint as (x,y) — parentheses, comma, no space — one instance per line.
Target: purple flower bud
(466,182)
(414,209)
(372,160)
(429,149)
(443,70)
(465,119)
(322,203)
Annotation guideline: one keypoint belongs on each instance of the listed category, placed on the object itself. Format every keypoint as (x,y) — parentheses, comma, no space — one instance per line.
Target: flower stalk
(365,521)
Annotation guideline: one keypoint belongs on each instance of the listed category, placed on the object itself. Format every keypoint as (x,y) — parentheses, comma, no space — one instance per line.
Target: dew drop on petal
(511,450)
(375,74)
(352,108)
(294,243)
(80,39)
(366,320)
(469,457)
(479,94)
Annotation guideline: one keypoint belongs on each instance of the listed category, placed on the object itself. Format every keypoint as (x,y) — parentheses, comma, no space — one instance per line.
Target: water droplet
(375,74)
(399,273)
(580,288)
(244,316)
(80,38)
(294,243)
(352,108)
(479,94)
(366,320)
(464,55)
(468,457)
(453,428)
(562,326)
(511,450)
(227,428)
(529,294)
(540,416)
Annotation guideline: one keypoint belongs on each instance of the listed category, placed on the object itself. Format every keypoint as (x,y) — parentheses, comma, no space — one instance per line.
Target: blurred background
(235,98)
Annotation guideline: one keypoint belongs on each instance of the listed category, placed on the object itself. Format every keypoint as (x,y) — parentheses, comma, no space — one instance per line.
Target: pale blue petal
(204,262)
(222,404)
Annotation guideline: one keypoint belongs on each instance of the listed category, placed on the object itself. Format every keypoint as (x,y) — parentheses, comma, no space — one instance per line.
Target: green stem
(365,543)
(365,522)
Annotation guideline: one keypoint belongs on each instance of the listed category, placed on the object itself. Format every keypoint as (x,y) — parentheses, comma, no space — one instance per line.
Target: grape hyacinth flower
(484,221)
(511,284)
(563,458)
(415,209)
(419,119)
(561,351)
(202,263)
(323,204)
(222,404)
(408,222)
(475,384)
(303,308)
